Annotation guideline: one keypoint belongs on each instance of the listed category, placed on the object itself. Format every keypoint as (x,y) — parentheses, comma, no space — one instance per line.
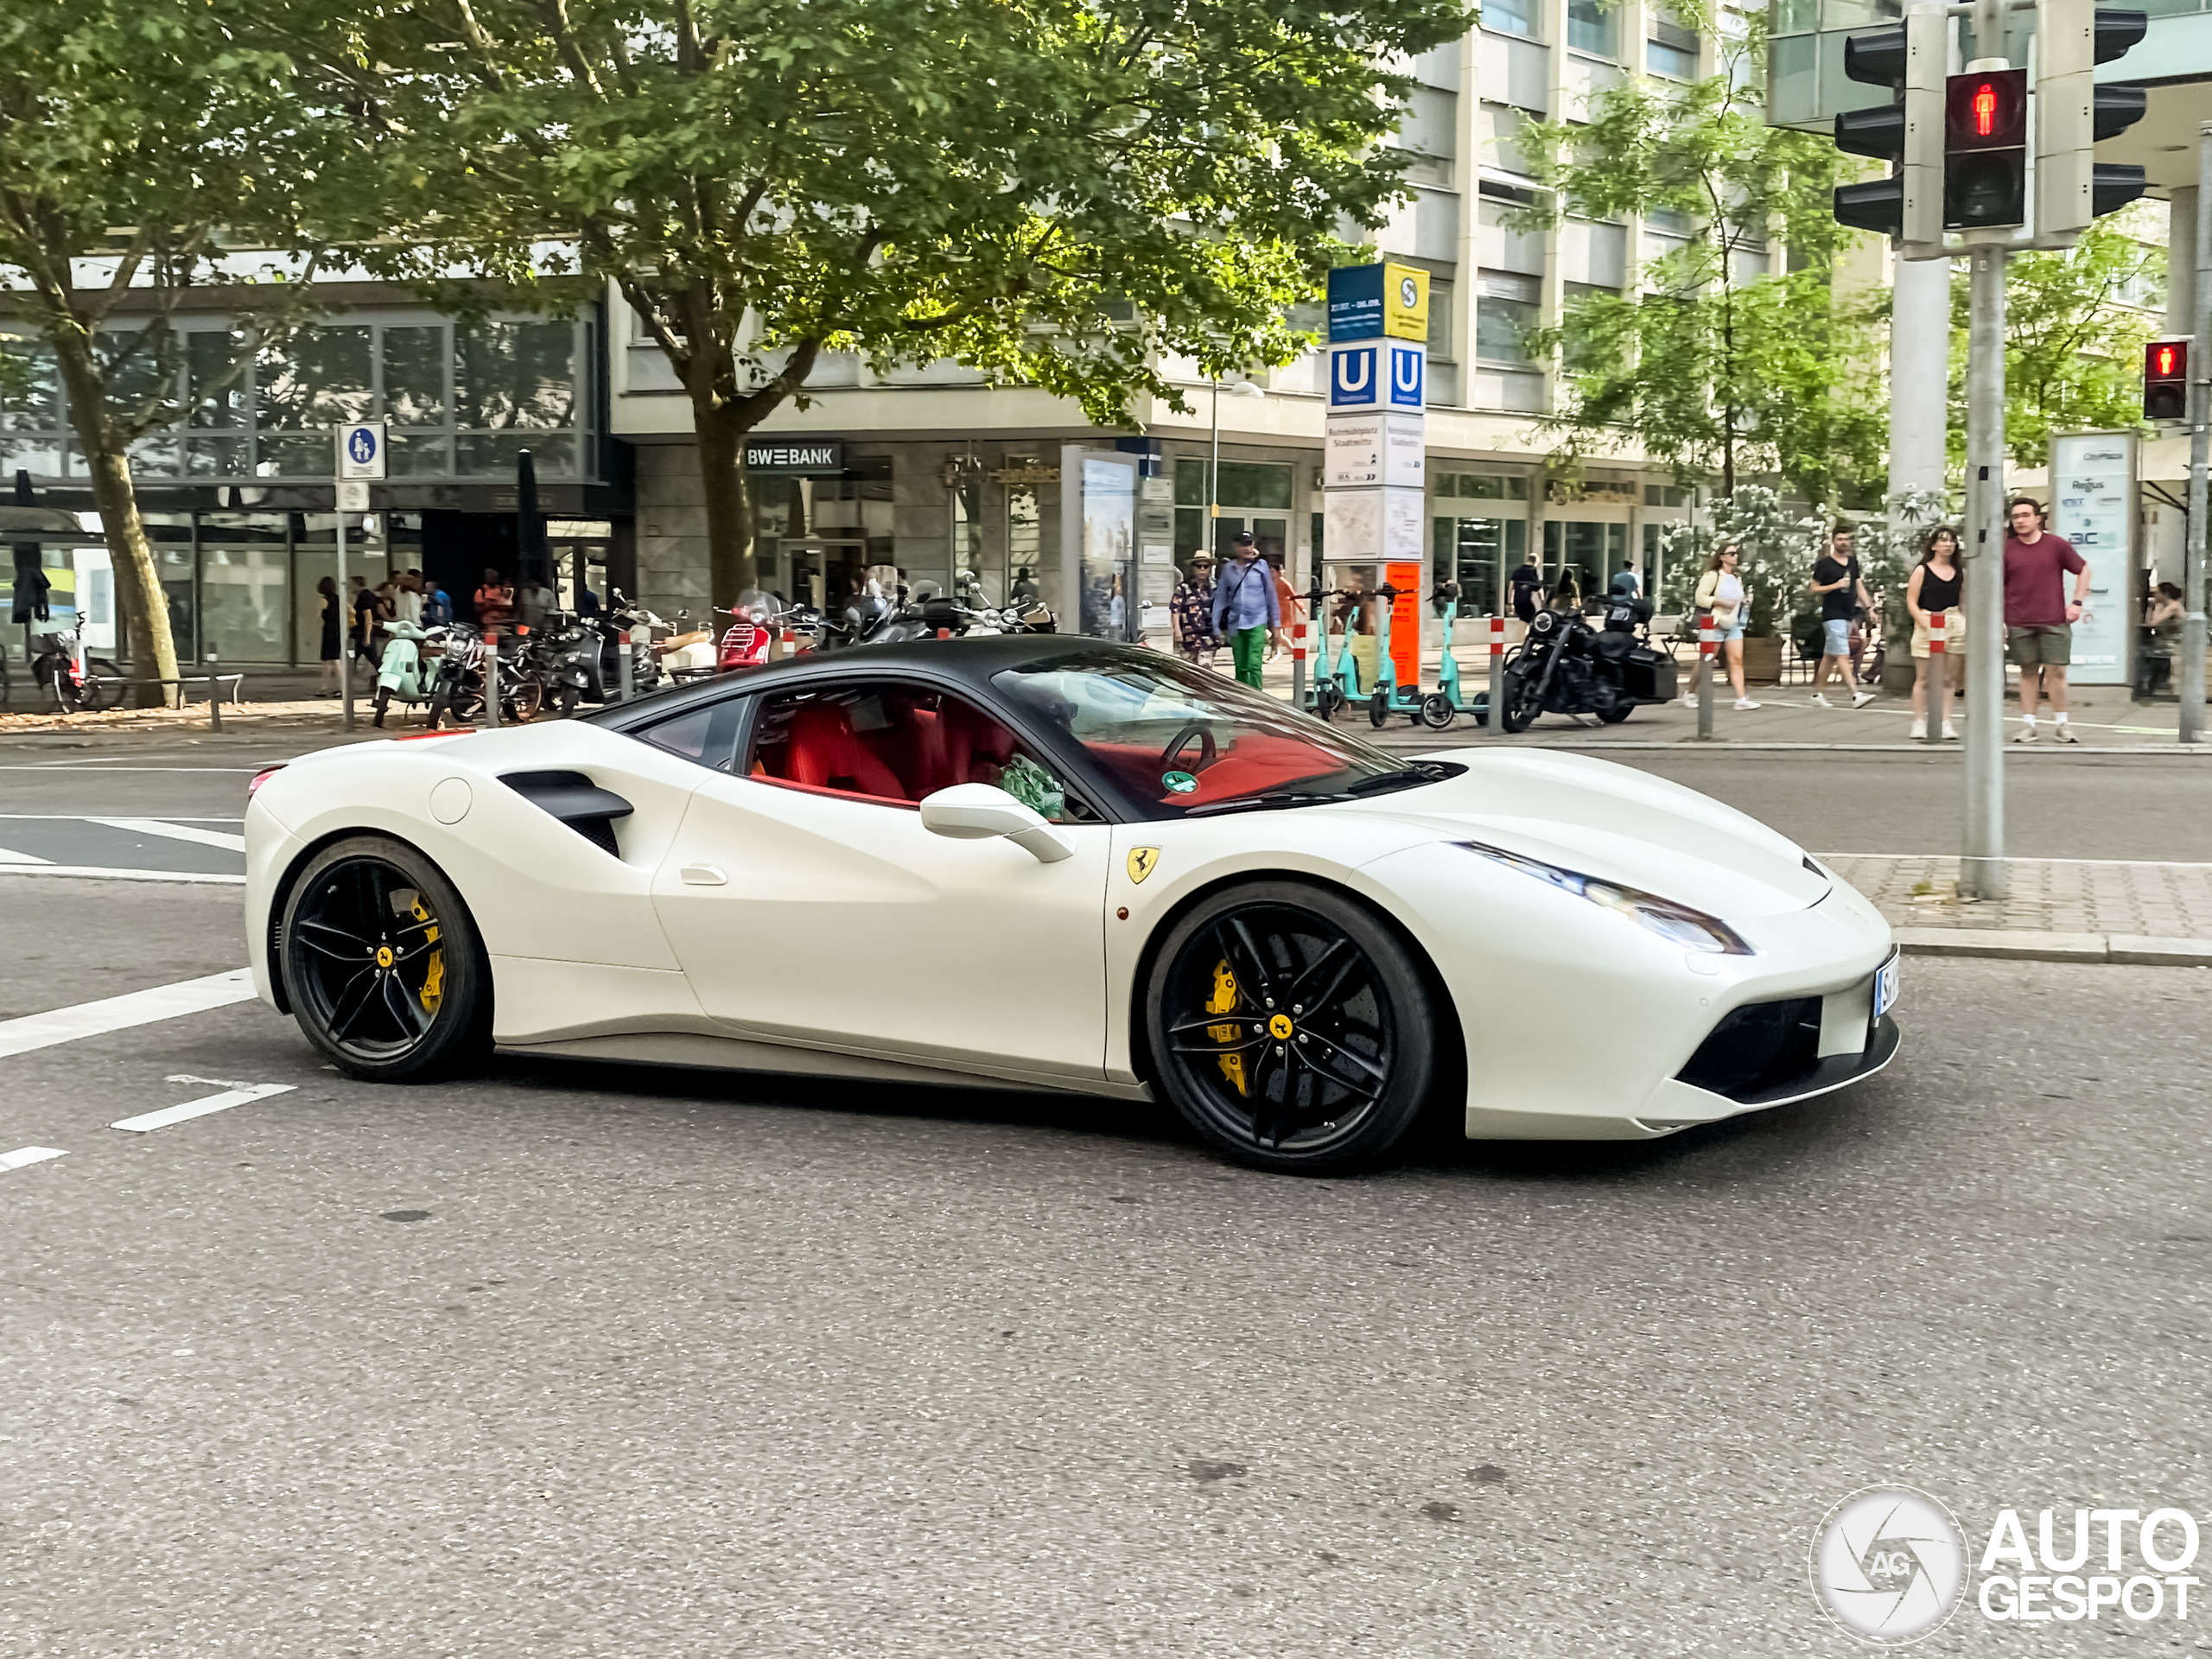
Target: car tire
(1325,1079)
(382,963)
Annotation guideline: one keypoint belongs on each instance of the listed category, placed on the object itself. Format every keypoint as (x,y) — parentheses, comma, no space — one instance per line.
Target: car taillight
(253,783)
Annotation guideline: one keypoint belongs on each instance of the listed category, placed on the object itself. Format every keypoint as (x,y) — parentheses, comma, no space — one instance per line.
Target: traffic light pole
(2190,680)
(1983,873)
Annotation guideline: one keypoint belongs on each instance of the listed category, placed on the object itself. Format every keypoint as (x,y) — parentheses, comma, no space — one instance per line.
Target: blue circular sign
(361,445)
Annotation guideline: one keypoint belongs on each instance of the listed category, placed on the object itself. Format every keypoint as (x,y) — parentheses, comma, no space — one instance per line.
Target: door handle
(704,876)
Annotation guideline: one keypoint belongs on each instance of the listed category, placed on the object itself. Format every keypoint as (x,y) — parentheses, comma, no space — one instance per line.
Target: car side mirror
(986,812)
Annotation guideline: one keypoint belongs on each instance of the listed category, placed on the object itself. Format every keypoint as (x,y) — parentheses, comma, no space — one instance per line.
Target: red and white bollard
(1495,625)
(1938,695)
(1708,649)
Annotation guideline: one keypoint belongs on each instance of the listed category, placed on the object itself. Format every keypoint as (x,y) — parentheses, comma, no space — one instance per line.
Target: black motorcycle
(1567,667)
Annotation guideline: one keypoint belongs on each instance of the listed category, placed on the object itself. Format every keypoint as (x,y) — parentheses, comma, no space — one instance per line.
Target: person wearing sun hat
(1190,613)
(1246,612)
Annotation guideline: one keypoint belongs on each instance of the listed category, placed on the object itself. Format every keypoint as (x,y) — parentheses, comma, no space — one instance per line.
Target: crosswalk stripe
(226,839)
(200,1108)
(23,1155)
(37,1031)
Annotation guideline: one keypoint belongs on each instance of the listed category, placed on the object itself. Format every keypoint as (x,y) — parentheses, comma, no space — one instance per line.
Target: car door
(808,904)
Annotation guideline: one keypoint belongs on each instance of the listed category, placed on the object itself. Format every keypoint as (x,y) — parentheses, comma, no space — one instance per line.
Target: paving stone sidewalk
(2058,909)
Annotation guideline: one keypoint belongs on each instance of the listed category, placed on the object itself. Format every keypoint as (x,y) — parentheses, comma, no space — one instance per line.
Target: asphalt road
(572,1361)
(2057,805)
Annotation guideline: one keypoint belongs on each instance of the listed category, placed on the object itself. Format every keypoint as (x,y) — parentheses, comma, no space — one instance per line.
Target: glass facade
(463,400)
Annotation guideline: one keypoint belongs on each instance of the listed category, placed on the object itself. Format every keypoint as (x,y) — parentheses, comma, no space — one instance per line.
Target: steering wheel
(1208,751)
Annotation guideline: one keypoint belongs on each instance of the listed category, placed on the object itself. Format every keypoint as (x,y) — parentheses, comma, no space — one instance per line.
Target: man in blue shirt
(1245,610)
(437,609)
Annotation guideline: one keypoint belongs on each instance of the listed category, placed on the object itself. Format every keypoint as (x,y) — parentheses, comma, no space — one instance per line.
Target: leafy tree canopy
(1719,369)
(1060,192)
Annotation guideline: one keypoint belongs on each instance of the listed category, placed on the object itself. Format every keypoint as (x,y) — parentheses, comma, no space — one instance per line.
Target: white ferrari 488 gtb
(1053,862)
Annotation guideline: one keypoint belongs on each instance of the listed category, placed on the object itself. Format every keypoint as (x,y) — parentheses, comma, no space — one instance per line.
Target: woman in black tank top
(1935,587)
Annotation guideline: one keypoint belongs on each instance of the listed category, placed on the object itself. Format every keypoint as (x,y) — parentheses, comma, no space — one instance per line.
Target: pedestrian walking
(1245,611)
(364,604)
(437,608)
(1842,591)
(2038,617)
(1525,585)
(1190,614)
(333,610)
(1721,595)
(1934,590)
(1289,604)
(2162,619)
(408,602)
(495,601)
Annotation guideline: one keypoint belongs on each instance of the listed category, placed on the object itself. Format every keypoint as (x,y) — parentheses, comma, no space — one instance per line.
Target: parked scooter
(73,678)
(1440,707)
(408,672)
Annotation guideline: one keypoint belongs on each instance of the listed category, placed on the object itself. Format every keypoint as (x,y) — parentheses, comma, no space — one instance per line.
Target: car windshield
(1174,740)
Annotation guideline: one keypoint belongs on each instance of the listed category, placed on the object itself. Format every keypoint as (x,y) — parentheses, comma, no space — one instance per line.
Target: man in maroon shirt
(2038,617)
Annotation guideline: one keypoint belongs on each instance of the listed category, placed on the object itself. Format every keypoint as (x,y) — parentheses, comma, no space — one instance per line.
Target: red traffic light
(2165,380)
(1988,111)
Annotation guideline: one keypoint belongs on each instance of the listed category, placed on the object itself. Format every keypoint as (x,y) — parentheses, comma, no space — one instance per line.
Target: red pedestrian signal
(1986,149)
(2165,380)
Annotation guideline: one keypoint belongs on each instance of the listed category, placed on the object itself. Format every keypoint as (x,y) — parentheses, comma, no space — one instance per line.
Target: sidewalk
(2059,910)
(2104,718)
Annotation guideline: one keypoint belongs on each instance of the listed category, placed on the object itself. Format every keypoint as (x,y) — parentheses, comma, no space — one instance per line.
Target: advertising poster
(2093,505)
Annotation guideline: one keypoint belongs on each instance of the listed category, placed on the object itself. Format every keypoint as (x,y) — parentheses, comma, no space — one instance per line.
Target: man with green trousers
(1245,610)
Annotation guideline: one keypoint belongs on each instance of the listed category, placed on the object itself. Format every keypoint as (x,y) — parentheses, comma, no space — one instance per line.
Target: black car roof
(971,662)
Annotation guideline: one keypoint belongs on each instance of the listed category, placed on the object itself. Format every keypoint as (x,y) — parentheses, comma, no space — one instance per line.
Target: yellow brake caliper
(1223,1001)
(434,978)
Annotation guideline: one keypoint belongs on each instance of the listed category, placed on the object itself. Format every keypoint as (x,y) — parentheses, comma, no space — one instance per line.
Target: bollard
(1298,662)
(622,666)
(1708,668)
(214,695)
(491,677)
(1938,704)
(1496,718)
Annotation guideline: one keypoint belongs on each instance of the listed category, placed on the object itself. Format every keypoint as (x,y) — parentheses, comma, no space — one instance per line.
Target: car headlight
(1676,924)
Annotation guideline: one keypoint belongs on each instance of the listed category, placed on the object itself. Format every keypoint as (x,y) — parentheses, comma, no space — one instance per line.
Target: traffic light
(1907,58)
(2165,380)
(2072,113)
(1986,149)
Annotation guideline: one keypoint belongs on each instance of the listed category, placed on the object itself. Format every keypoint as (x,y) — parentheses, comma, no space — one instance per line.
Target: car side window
(707,734)
(894,742)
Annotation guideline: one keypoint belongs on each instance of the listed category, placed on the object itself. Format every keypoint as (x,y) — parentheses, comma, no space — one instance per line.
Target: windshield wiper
(1409,777)
(1265,799)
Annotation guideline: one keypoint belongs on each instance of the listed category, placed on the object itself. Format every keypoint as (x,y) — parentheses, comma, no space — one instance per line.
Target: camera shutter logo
(1889,1565)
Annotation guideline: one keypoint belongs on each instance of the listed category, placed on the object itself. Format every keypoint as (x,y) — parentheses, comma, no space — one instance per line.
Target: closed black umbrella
(30,577)
(533,558)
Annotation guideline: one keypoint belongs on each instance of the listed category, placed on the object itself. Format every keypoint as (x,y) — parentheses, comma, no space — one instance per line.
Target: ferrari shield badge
(1143,860)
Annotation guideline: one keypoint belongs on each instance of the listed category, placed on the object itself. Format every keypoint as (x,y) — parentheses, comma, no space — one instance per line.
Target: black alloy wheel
(1291,1028)
(382,963)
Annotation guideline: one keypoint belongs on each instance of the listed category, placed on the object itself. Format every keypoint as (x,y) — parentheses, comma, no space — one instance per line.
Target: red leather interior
(916,752)
(1255,761)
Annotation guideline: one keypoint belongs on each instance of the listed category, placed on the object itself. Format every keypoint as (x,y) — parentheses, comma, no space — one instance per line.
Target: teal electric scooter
(1440,706)
(1390,698)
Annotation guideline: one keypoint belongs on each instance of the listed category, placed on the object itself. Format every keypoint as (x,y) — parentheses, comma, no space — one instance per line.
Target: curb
(2023,945)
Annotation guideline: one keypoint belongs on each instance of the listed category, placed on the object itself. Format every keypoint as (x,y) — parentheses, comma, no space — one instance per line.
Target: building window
(1592,28)
(1439,320)
(1483,487)
(1510,17)
(1505,312)
(1671,50)
(1665,495)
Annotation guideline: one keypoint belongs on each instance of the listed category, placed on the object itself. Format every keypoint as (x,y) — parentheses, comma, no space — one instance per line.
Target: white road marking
(224,838)
(35,1031)
(190,1109)
(8,857)
(97,873)
(212,1082)
(22,1156)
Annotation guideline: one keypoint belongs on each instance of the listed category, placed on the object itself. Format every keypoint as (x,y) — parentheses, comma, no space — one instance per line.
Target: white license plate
(1885,986)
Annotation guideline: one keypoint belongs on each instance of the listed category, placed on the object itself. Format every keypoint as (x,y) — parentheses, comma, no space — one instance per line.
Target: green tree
(131,137)
(2075,329)
(1060,192)
(1718,369)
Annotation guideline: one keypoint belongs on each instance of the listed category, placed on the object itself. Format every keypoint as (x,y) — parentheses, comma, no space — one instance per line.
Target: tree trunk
(733,564)
(139,600)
